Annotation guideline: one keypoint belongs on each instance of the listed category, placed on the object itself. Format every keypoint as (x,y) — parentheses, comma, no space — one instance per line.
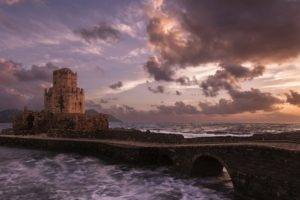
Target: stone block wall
(64,96)
(42,122)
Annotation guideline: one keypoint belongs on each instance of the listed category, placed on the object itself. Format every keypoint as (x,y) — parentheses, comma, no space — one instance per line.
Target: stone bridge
(258,170)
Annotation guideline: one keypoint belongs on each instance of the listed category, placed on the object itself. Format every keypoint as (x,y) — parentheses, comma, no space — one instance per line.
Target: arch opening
(30,120)
(214,174)
(164,160)
(207,166)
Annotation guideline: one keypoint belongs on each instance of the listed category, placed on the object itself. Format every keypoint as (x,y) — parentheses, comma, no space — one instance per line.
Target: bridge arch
(165,160)
(30,121)
(206,165)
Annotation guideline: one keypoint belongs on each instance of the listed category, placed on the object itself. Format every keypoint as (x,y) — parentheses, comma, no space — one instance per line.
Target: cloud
(293,98)
(10,2)
(191,33)
(179,108)
(126,86)
(107,100)
(117,85)
(243,101)
(102,32)
(90,104)
(36,73)
(14,2)
(181,112)
(131,56)
(178,93)
(158,89)
(8,70)
(123,112)
(160,73)
(129,113)
(186,81)
(103,101)
(11,99)
(125,29)
(21,86)
(228,78)
(12,72)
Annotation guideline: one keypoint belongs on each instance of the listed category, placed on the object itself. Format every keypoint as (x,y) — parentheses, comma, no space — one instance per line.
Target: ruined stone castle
(64,96)
(64,108)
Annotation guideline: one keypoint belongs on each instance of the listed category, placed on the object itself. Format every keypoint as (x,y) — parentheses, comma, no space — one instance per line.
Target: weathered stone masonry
(64,96)
(64,109)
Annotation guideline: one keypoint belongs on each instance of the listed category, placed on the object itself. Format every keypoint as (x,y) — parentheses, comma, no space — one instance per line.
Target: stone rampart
(42,122)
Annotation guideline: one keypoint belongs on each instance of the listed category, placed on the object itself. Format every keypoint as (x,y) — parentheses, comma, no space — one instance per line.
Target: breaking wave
(31,174)
(190,130)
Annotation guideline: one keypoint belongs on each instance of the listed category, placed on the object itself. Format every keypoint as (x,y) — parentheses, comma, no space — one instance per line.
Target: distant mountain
(111,118)
(6,116)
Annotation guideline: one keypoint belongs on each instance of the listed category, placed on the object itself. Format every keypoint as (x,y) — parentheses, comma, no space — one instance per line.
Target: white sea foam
(28,174)
(194,130)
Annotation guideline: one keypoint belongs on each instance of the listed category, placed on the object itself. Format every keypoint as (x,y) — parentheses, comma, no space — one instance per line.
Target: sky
(157,60)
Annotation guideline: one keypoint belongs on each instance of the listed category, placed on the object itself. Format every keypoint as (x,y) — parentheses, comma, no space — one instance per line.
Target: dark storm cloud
(228,77)
(222,31)
(163,73)
(293,98)
(102,32)
(243,101)
(116,85)
(158,89)
(23,87)
(159,72)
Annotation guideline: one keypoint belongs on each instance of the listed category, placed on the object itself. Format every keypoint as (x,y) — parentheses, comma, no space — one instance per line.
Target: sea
(41,175)
(192,130)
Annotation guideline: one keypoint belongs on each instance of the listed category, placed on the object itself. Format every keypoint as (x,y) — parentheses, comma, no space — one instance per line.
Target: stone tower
(64,96)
